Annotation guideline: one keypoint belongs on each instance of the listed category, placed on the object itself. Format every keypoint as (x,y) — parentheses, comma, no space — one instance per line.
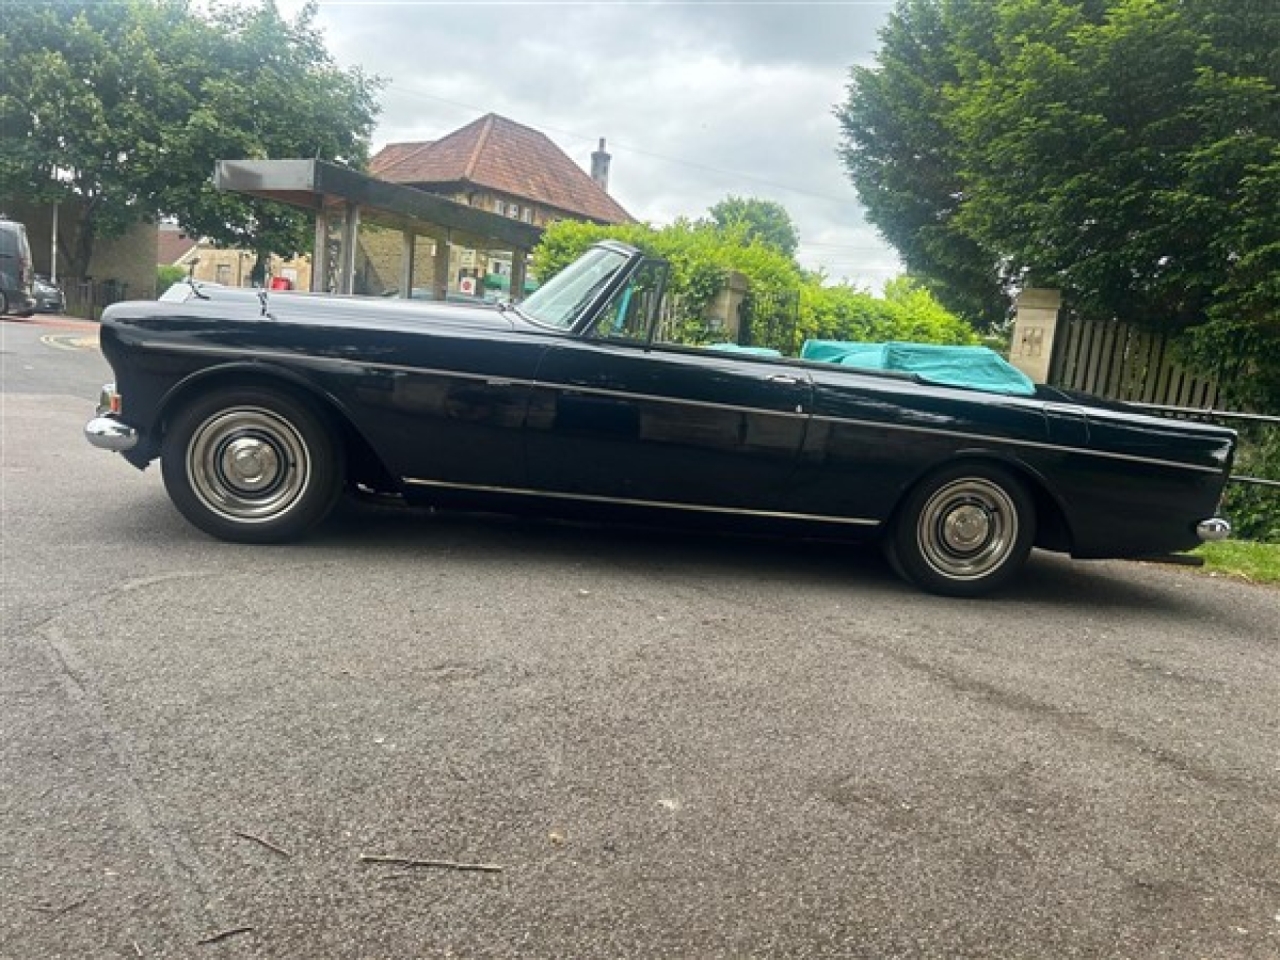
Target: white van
(16,296)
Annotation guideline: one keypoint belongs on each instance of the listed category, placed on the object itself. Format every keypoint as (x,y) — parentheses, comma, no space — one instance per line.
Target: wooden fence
(1125,362)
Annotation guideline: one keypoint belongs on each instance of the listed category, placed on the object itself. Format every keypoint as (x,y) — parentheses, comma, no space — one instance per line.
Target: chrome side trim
(1011,441)
(601,391)
(629,502)
(108,433)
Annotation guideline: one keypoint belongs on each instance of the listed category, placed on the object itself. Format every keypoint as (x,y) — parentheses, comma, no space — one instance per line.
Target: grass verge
(1245,559)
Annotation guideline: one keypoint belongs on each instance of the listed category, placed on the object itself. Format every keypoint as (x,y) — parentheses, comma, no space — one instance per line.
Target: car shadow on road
(1050,580)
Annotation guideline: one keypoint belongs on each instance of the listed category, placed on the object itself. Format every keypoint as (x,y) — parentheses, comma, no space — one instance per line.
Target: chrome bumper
(108,433)
(1215,528)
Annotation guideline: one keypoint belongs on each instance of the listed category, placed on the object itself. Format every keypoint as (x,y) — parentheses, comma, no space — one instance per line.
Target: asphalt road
(671,746)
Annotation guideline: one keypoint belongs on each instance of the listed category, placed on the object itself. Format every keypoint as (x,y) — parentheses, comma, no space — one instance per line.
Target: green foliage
(1126,151)
(1254,511)
(906,166)
(907,312)
(753,220)
(126,107)
(701,257)
(167,275)
(1255,562)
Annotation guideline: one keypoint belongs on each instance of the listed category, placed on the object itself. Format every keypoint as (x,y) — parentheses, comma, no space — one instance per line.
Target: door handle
(783,378)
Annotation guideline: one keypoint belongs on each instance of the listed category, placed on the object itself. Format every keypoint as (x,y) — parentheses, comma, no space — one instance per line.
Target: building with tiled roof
(173,246)
(504,167)
(496,165)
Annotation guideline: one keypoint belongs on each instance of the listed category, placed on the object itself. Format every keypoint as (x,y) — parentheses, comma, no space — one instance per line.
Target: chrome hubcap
(248,464)
(965,528)
(968,528)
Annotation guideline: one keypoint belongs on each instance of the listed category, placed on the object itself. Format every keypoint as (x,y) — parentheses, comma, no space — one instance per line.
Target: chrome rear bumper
(1215,528)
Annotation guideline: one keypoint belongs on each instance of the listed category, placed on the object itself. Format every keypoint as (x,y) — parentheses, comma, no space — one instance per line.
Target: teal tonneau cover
(976,367)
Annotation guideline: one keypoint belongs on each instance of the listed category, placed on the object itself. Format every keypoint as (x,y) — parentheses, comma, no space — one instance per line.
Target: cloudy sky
(697,100)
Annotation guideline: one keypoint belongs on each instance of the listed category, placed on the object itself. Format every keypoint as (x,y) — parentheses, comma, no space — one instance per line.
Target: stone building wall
(129,259)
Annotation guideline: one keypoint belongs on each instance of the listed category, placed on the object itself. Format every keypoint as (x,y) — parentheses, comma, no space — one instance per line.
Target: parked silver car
(49,296)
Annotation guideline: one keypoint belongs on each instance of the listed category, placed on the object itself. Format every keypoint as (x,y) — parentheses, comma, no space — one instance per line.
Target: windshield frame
(580,315)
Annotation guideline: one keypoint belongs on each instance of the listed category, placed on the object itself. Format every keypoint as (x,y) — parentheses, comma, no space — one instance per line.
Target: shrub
(167,275)
(1254,511)
(701,257)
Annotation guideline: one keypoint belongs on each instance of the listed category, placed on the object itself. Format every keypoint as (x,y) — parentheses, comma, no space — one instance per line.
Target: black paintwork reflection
(664,424)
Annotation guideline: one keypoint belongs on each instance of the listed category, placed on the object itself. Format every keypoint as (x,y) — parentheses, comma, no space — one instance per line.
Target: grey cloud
(697,101)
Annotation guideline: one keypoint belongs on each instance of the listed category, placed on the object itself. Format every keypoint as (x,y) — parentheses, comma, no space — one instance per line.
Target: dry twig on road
(266,843)
(439,864)
(234,931)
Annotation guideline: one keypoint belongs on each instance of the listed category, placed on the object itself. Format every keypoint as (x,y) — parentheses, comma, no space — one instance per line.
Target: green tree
(125,107)
(1127,151)
(757,220)
(906,165)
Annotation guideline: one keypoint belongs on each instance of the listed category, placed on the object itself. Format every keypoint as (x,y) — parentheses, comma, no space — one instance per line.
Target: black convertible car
(263,407)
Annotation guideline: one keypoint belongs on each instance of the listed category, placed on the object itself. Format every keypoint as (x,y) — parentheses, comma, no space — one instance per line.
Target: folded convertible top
(975,367)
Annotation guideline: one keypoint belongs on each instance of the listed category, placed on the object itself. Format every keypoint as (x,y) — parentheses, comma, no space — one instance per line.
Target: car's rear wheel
(963,531)
(252,465)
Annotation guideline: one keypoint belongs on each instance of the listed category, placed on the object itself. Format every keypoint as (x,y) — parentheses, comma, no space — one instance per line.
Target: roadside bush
(1255,511)
(906,312)
(167,275)
(701,257)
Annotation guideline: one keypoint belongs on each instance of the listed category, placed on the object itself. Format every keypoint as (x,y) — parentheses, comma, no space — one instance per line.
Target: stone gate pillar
(1034,327)
(724,312)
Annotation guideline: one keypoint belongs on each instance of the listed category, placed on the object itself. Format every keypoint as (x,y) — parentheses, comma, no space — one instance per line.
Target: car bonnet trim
(302,358)
(633,502)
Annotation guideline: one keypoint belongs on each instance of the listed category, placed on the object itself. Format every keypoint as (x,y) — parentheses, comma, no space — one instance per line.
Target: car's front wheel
(963,531)
(252,465)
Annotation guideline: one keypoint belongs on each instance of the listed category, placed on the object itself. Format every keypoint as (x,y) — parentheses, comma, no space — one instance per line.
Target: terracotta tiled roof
(391,156)
(172,245)
(504,156)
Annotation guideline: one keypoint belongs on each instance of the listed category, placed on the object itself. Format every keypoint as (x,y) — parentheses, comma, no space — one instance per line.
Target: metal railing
(87,298)
(1200,413)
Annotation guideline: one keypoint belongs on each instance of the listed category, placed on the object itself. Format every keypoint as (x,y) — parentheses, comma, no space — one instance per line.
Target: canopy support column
(408,248)
(350,234)
(444,247)
(519,269)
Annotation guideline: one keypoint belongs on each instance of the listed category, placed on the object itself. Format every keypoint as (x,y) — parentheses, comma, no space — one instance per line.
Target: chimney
(600,167)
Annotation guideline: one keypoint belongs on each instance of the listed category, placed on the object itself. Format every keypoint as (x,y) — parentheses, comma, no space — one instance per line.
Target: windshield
(560,301)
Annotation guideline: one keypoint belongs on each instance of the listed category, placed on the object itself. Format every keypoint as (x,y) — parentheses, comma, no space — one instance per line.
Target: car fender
(1050,506)
(257,372)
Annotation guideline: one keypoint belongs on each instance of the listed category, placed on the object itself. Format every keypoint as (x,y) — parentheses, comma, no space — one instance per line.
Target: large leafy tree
(125,107)
(755,220)
(1127,151)
(904,162)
